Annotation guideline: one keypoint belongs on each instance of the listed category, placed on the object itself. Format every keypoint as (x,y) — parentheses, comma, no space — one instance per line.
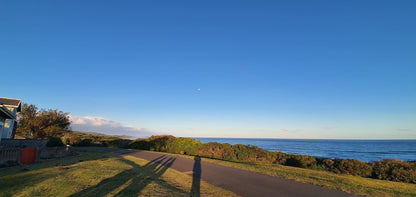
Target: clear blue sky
(272,69)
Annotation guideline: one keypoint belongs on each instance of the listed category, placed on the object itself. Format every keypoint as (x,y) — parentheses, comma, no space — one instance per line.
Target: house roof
(4,112)
(16,103)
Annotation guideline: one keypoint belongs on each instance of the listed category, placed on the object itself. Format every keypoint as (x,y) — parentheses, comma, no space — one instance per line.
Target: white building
(8,111)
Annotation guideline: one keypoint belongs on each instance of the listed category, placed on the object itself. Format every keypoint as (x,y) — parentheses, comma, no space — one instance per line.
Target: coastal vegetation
(342,182)
(388,169)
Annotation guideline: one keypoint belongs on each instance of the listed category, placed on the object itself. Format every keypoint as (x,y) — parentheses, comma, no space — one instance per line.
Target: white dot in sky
(199,89)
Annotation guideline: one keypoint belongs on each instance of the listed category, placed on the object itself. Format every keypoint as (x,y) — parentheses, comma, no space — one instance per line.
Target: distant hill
(104,135)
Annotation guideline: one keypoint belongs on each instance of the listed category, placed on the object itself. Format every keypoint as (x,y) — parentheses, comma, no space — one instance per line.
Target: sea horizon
(297,138)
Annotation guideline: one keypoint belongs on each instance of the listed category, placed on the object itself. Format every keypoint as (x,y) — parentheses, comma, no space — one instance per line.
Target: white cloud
(106,126)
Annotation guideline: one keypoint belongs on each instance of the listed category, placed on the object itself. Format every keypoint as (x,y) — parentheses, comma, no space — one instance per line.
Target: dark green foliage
(42,124)
(94,139)
(395,170)
(55,141)
(117,143)
(159,143)
(186,146)
(85,142)
(140,144)
(243,153)
(352,167)
(280,158)
(217,151)
(302,161)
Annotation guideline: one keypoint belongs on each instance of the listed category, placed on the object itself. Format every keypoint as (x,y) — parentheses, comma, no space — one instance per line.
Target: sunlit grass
(100,174)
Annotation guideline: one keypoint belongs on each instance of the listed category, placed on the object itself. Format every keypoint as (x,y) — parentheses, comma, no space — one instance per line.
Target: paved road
(241,182)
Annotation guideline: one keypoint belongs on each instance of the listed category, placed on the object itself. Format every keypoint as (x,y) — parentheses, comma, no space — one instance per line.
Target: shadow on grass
(44,164)
(196,178)
(131,182)
(30,174)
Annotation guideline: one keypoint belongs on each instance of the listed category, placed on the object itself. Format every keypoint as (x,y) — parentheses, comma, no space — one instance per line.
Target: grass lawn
(102,174)
(347,183)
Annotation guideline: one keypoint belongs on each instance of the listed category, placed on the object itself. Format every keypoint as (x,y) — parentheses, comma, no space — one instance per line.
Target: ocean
(363,150)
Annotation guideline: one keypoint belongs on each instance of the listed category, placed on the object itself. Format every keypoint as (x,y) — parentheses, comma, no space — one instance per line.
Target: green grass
(102,174)
(347,183)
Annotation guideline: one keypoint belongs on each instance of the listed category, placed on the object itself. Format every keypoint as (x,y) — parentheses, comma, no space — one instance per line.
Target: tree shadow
(134,180)
(196,178)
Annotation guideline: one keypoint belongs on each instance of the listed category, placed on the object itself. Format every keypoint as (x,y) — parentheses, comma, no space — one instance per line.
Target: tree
(41,124)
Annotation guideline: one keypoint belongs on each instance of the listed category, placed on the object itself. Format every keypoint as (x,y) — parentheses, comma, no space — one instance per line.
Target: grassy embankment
(347,183)
(101,174)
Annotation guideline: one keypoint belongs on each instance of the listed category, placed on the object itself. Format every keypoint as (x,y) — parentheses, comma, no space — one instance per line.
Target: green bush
(244,152)
(117,143)
(140,144)
(186,146)
(159,143)
(280,158)
(55,141)
(86,142)
(353,167)
(325,163)
(394,170)
(302,161)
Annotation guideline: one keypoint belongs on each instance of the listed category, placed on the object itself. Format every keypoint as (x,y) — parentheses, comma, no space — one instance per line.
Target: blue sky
(266,69)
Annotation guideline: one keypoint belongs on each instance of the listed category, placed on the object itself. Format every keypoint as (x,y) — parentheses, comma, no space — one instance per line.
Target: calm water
(364,150)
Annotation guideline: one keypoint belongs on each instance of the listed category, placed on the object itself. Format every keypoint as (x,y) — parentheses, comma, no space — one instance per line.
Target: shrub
(302,161)
(55,141)
(280,158)
(186,146)
(394,170)
(216,150)
(325,163)
(159,143)
(85,142)
(71,139)
(353,167)
(244,153)
(140,144)
(117,143)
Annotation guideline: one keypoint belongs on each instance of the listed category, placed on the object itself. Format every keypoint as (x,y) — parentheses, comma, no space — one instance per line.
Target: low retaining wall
(10,154)
(15,154)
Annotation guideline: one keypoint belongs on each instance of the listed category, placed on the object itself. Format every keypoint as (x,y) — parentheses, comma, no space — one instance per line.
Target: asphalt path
(241,182)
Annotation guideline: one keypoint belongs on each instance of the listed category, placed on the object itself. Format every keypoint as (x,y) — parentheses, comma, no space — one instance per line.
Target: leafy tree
(41,124)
